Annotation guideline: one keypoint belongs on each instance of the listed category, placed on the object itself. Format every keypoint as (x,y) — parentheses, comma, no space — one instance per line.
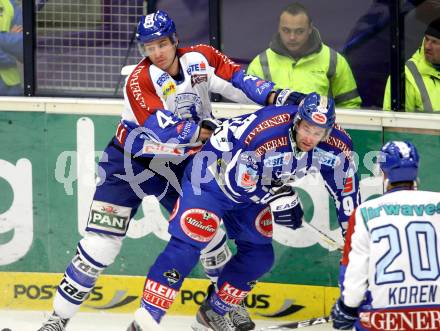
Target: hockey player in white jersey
(390,267)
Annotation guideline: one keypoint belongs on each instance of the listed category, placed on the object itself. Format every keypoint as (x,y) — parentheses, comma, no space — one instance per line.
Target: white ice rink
(31,321)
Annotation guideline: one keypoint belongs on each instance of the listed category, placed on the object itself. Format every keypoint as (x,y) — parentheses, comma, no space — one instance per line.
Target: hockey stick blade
(299,324)
(324,237)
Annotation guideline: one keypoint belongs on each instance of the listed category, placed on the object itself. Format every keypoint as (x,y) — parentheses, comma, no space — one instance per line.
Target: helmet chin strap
(176,43)
(297,153)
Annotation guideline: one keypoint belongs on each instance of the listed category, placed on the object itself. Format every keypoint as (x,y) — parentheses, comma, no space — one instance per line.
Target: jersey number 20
(422,249)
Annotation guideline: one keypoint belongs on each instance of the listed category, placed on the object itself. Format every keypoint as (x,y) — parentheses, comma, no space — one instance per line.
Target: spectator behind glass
(367,49)
(11,47)
(422,75)
(298,59)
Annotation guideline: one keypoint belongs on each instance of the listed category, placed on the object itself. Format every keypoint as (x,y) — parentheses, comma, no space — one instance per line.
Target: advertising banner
(48,168)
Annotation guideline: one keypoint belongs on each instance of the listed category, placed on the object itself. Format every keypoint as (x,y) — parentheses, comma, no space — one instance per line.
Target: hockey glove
(343,316)
(286,208)
(288,97)
(210,124)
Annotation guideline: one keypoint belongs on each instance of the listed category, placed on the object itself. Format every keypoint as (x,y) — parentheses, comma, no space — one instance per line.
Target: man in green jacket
(298,59)
(11,47)
(422,75)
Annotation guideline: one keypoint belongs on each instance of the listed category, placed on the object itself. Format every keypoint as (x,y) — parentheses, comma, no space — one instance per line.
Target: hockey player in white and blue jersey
(390,267)
(242,176)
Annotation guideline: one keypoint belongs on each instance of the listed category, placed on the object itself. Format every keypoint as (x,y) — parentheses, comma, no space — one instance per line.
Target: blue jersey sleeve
(255,88)
(164,127)
(161,134)
(340,174)
(342,183)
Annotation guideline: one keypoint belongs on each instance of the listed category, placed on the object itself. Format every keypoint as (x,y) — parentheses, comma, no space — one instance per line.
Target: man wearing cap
(422,75)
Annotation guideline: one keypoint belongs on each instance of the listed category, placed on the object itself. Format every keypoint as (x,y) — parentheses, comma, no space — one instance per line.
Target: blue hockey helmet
(399,161)
(154,26)
(317,110)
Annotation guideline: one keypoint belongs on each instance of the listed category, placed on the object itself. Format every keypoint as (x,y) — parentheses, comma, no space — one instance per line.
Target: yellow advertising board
(121,294)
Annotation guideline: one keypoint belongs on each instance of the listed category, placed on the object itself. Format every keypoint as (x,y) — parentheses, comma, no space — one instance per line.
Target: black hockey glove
(343,316)
(210,123)
(288,97)
(286,208)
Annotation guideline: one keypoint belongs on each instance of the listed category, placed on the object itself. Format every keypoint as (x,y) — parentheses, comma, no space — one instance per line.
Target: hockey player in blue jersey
(390,267)
(242,176)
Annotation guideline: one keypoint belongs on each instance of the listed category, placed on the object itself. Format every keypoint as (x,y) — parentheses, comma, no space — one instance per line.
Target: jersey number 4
(164,120)
(422,248)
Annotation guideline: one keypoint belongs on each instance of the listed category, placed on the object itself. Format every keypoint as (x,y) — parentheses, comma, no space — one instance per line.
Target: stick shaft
(324,237)
(299,324)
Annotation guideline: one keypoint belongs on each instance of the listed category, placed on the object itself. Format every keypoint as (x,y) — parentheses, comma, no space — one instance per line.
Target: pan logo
(80,166)
(16,212)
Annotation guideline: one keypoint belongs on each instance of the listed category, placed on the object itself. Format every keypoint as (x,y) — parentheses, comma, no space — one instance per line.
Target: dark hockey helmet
(399,161)
(155,26)
(317,110)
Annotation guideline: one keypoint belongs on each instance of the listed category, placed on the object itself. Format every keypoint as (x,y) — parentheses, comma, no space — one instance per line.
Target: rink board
(47,180)
(121,294)
(48,159)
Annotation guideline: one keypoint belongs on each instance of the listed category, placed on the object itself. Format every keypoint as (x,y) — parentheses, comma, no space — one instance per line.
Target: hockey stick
(299,324)
(324,237)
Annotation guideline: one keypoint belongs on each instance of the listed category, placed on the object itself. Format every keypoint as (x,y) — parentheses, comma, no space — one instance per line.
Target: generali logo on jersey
(266,124)
(271,145)
(414,319)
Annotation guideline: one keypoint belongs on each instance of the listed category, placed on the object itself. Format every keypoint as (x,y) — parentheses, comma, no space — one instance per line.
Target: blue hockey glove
(343,316)
(288,97)
(286,208)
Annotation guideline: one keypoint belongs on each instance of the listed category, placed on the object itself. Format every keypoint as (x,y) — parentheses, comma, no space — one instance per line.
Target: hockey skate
(240,318)
(143,321)
(239,315)
(54,323)
(207,319)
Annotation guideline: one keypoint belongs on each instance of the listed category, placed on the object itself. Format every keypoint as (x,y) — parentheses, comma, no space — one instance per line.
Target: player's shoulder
(271,117)
(203,49)
(271,110)
(339,131)
(269,127)
(141,75)
(338,141)
(401,202)
(142,66)
(213,55)
(427,197)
